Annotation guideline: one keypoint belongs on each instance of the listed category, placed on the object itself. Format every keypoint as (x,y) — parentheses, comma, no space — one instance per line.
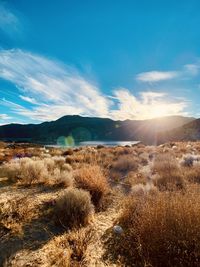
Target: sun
(160,110)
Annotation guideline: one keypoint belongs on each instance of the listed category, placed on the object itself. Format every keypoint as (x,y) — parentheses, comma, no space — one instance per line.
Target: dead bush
(73,209)
(192,174)
(125,164)
(92,179)
(160,230)
(13,213)
(169,175)
(28,171)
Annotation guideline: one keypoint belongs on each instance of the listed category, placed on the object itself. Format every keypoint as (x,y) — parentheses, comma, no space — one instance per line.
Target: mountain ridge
(92,128)
(187,132)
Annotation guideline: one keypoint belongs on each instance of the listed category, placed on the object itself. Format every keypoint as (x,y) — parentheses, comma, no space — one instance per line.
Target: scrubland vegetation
(100,206)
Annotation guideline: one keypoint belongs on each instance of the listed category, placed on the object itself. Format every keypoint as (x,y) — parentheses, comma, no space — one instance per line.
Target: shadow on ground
(33,235)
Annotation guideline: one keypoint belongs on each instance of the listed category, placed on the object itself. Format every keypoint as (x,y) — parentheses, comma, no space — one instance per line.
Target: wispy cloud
(155,76)
(4,118)
(192,69)
(49,89)
(9,22)
(54,88)
(28,99)
(187,71)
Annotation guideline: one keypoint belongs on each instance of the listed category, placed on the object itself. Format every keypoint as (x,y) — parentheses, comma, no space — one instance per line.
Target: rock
(117,229)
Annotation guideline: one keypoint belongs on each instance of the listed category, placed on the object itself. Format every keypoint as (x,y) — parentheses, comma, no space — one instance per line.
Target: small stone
(118,229)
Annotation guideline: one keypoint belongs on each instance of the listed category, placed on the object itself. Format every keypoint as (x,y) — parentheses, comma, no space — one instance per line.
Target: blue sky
(125,59)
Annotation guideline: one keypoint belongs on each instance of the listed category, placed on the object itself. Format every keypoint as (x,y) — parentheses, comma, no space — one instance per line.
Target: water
(103,143)
(109,143)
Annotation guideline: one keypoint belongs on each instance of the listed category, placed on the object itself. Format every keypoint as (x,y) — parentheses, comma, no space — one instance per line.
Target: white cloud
(156,76)
(28,99)
(58,89)
(9,22)
(148,106)
(187,71)
(51,89)
(192,69)
(4,117)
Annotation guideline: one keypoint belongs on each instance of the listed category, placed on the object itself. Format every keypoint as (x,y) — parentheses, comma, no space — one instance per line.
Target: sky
(117,59)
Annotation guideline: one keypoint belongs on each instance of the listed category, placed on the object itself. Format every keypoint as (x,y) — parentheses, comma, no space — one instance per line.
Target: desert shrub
(161,230)
(100,146)
(1,157)
(49,164)
(125,164)
(68,152)
(92,179)
(165,163)
(73,209)
(30,171)
(26,170)
(59,161)
(2,144)
(115,177)
(189,160)
(6,171)
(75,158)
(120,151)
(170,181)
(169,175)
(68,249)
(67,167)
(143,159)
(78,241)
(59,178)
(13,213)
(56,152)
(62,252)
(192,174)
(144,189)
(134,178)
(12,169)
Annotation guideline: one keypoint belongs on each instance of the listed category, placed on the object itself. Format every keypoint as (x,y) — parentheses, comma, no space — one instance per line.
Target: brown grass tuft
(169,175)
(29,171)
(160,230)
(92,179)
(125,164)
(13,213)
(73,209)
(192,174)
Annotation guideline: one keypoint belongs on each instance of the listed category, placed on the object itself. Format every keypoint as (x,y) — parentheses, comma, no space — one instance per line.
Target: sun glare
(161,110)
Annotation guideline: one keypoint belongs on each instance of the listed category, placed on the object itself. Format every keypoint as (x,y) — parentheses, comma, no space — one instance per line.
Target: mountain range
(187,132)
(79,129)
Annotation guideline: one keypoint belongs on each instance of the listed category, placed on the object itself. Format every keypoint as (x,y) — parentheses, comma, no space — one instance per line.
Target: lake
(103,143)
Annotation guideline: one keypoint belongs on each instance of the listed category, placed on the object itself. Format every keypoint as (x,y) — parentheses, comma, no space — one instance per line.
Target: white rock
(118,229)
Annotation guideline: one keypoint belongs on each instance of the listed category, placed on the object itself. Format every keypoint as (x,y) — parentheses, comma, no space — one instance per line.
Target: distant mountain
(187,132)
(79,128)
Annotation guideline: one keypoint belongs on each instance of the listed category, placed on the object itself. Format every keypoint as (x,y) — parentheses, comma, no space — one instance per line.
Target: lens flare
(65,141)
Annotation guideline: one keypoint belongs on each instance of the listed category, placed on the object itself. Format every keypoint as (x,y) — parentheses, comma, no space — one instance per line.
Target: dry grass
(161,230)
(168,176)
(14,213)
(92,179)
(29,171)
(2,144)
(73,209)
(160,216)
(69,249)
(59,252)
(125,164)
(192,174)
